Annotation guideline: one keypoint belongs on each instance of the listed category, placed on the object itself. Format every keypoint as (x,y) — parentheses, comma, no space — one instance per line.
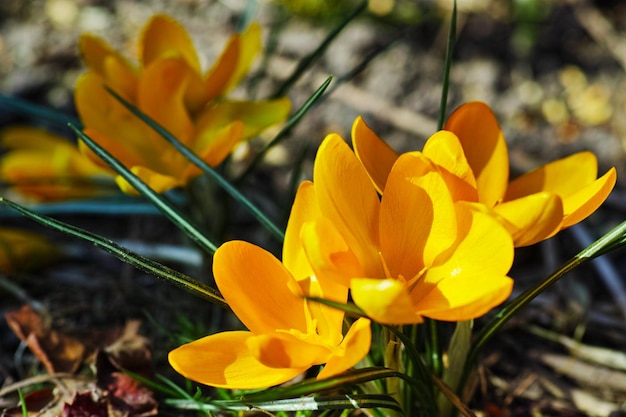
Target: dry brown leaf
(58,352)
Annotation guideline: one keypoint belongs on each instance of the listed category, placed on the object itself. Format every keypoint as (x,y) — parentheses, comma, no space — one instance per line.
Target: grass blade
(164,206)
(142,263)
(446,71)
(37,112)
(206,168)
(307,61)
(338,402)
(293,121)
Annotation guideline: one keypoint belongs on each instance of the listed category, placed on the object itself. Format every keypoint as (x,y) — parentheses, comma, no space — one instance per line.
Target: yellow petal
(303,210)
(224,360)
(562,177)
(579,205)
(157,181)
(255,115)
(417,216)
(384,300)
(471,279)
(22,250)
(465,297)
(328,254)
(445,150)
(286,352)
(349,200)
(355,345)
(374,153)
(483,246)
(163,37)
(25,137)
(161,96)
(258,288)
(533,218)
(485,149)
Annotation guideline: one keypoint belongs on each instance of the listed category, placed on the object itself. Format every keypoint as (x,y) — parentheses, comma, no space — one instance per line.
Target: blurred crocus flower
(287,334)
(23,251)
(414,253)
(472,152)
(42,166)
(169,86)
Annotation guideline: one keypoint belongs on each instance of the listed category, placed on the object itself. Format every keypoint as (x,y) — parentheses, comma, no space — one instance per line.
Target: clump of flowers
(42,166)
(472,153)
(169,86)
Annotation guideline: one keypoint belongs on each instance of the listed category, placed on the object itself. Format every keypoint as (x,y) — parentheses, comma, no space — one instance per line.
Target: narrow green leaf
(293,121)
(164,206)
(457,355)
(311,386)
(22,403)
(349,308)
(37,112)
(338,402)
(308,61)
(142,263)
(447,65)
(204,167)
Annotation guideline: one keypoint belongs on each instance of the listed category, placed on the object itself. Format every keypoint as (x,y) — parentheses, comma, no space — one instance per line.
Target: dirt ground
(553,74)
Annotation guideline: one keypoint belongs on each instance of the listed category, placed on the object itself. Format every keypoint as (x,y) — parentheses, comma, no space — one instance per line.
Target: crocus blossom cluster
(170,87)
(421,234)
(472,152)
(43,166)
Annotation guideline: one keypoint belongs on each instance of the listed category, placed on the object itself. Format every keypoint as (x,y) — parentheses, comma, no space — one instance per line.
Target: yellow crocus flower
(415,252)
(169,87)
(43,166)
(472,151)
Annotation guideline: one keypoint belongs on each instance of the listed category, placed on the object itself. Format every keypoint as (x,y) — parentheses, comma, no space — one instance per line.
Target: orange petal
(355,345)
(374,153)
(214,146)
(113,127)
(562,177)
(286,351)
(349,200)
(485,149)
(464,297)
(445,150)
(163,37)
(109,64)
(220,74)
(579,205)
(258,288)
(22,250)
(255,115)
(224,360)
(161,96)
(533,218)
(384,300)
(417,216)
(249,47)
